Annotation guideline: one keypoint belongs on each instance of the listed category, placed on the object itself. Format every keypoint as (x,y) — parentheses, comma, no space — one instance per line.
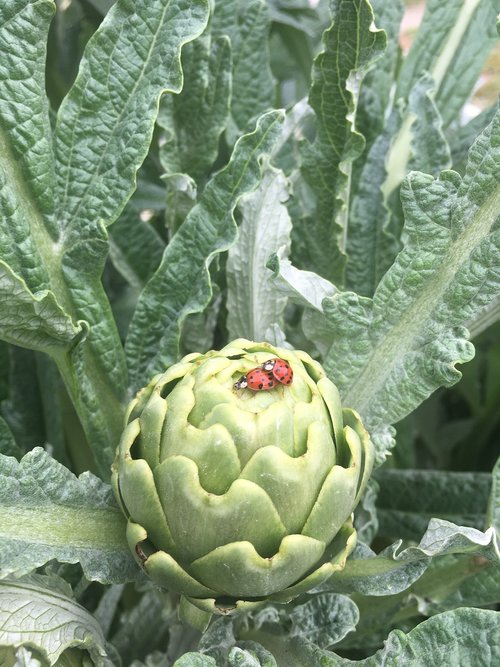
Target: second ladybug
(257,380)
(280,369)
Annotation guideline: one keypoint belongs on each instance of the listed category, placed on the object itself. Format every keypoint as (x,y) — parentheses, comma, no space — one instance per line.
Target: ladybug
(280,369)
(257,380)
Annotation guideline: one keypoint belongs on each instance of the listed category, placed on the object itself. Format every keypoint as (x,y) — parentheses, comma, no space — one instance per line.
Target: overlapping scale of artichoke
(235,497)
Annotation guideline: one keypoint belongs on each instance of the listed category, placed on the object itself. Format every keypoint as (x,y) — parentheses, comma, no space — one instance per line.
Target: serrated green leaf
(394,570)
(351,45)
(365,516)
(392,352)
(48,513)
(36,613)
(408,499)
(105,124)
(199,114)
(251,654)
(325,619)
(374,96)
(181,285)
(247,24)
(255,307)
(452,43)
(446,640)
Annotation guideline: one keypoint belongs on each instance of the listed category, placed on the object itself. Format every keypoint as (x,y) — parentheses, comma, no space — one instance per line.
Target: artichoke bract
(235,497)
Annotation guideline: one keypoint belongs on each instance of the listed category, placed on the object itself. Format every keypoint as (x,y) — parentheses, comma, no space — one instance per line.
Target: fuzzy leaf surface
(452,44)
(48,513)
(325,619)
(446,640)
(391,352)
(105,124)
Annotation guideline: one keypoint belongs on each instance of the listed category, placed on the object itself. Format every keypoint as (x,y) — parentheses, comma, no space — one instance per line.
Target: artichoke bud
(236,497)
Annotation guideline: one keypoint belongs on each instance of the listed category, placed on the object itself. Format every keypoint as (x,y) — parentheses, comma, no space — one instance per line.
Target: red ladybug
(257,380)
(280,369)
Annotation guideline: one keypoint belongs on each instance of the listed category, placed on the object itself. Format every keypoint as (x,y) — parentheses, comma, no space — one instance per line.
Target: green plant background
(178,173)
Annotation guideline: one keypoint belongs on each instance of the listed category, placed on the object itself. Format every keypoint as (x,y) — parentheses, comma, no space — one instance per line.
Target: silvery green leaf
(395,569)
(457,581)
(181,285)
(145,625)
(306,288)
(218,639)
(446,640)
(351,45)
(48,513)
(105,124)
(452,44)
(37,614)
(366,515)
(325,619)
(391,352)
(108,606)
(254,305)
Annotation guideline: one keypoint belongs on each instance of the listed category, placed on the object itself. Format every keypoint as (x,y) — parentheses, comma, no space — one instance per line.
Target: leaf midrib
(400,339)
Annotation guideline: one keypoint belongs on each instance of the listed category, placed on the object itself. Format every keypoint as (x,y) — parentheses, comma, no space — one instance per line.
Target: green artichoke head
(233,496)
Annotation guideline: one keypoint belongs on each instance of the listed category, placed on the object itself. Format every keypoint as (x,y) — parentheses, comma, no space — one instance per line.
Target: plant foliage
(178,173)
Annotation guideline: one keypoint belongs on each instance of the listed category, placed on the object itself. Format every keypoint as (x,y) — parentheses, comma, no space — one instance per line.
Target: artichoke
(235,497)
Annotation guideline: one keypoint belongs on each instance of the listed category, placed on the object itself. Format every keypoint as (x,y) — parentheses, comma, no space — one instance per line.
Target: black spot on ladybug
(261,385)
